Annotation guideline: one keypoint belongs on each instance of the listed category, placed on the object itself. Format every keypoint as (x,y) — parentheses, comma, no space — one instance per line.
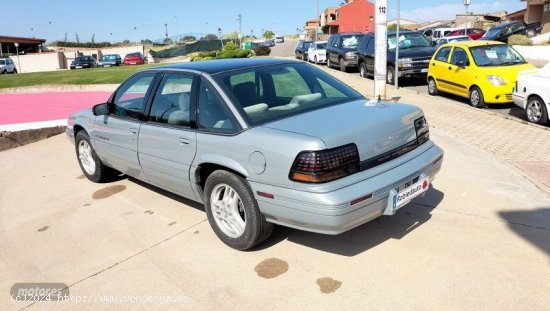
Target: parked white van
(439,33)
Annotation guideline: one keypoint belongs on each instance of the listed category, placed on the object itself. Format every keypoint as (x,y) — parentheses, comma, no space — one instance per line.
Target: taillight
(422,130)
(325,165)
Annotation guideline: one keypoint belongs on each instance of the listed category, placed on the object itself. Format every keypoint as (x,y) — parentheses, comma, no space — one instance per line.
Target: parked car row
(484,72)
(7,66)
(108,60)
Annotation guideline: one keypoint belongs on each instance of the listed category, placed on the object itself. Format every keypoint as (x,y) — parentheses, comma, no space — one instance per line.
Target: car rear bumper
(332,212)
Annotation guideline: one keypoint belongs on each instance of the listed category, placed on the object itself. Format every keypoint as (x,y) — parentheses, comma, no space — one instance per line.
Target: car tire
(476,98)
(304,57)
(390,75)
(14,70)
(342,65)
(536,110)
(89,162)
(531,33)
(4,72)
(432,87)
(233,212)
(315,60)
(329,64)
(363,70)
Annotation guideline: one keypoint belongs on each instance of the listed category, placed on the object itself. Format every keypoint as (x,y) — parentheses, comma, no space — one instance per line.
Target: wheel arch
(205,169)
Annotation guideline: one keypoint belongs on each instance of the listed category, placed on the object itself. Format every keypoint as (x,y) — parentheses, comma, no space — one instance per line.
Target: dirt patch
(271,268)
(107,192)
(43,229)
(196,232)
(10,140)
(172,223)
(328,285)
(149,212)
(81,177)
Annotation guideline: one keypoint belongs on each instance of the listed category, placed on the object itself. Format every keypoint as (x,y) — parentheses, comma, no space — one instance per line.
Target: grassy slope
(110,75)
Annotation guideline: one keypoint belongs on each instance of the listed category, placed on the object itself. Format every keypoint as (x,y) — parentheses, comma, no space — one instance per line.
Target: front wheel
(390,75)
(233,212)
(315,60)
(329,63)
(90,164)
(531,33)
(363,70)
(476,98)
(342,65)
(536,111)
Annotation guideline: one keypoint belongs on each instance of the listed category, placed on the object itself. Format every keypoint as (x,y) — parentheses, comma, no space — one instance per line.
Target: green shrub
(262,50)
(519,40)
(230,46)
(230,52)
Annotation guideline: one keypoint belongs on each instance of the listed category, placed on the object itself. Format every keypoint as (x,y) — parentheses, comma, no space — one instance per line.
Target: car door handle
(185,141)
(133,130)
(450,68)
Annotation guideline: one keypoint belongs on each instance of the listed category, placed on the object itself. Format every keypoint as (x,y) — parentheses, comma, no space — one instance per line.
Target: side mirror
(335,45)
(101,109)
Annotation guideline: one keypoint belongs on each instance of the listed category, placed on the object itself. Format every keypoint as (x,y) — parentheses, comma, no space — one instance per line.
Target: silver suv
(7,66)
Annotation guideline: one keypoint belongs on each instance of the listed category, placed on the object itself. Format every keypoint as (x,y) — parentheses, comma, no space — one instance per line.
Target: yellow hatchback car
(483,71)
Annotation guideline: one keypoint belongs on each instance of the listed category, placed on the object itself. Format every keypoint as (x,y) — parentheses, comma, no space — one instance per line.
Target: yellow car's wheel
(476,98)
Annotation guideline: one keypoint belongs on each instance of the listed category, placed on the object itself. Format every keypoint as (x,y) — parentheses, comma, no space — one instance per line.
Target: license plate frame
(398,199)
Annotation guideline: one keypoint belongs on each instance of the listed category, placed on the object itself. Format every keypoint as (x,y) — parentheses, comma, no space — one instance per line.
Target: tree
(167,41)
(268,34)
(126,42)
(93,38)
(210,36)
(65,37)
(188,38)
(146,41)
(232,35)
(77,37)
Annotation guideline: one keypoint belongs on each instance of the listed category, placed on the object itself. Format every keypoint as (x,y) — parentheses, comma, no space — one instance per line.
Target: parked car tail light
(422,130)
(325,165)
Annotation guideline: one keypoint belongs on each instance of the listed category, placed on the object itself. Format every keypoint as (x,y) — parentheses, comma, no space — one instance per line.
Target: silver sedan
(260,142)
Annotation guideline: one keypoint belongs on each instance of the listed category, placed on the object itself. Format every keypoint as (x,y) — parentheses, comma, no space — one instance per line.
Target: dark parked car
(83,62)
(301,49)
(415,52)
(110,60)
(134,59)
(503,31)
(473,33)
(342,50)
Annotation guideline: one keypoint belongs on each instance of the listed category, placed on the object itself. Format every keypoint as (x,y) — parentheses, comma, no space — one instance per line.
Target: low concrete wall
(61,88)
(538,52)
(38,62)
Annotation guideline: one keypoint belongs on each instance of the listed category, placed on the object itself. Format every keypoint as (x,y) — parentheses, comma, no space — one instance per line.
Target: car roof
(474,43)
(223,65)
(505,24)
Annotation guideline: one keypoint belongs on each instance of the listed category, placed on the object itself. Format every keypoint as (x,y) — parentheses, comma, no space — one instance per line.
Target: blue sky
(119,17)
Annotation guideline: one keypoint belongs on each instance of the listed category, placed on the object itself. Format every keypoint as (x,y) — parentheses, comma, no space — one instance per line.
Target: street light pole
(166,28)
(220,32)
(317,23)
(466,4)
(395,77)
(17,51)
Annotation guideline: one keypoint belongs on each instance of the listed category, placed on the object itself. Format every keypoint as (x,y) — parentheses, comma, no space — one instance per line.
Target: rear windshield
(270,93)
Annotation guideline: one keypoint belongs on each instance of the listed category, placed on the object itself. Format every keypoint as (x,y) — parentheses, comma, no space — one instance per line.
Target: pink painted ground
(35,107)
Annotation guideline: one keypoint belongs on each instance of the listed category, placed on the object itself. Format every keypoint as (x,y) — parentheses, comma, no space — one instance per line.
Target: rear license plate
(407,194)
(132,63)
(78,67)
(107,65)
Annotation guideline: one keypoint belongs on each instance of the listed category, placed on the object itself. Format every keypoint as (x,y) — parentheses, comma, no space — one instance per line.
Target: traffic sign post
(380,49)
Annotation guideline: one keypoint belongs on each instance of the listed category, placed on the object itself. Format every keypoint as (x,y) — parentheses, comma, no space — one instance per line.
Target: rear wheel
(432,87)
(536,111)
(233,212)
(476,98)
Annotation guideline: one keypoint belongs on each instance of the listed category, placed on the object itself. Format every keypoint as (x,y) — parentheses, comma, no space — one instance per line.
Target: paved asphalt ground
(479,239)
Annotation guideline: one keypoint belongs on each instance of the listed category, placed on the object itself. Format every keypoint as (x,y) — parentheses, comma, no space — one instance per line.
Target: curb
(10,140)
